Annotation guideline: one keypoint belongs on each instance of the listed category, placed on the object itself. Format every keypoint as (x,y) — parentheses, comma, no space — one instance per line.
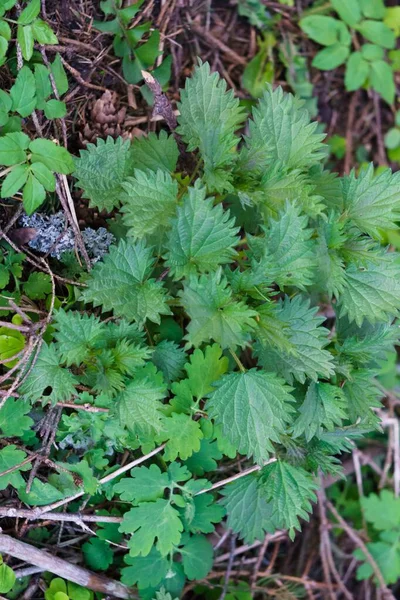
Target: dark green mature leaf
(209,118)
(145,571)
(122,283)
(98,554)
(249,514)
(202,236)
(144,485)
(77,334)
(13,419)
(155,152)
(323,407)
(170,359)
(253,409)
(11,456)
(197,557)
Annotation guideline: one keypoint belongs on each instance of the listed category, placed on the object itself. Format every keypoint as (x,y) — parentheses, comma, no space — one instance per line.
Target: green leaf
(280,131)
(373,9)
(392,138)
(377,33)
(387,558)
(14,181)
(12,342)
(321,29)
(122,283)
(372,291)
(139,405)
(209,118)
(102,169)
(381,77)
(214,314)
(7,579)
(77,335)
(205,514)
(203,370)
(249,515)
(144,485)
(307,338)
(170,359)
(348,10)
(43,33)
(145,571)
(202,236)
(59,74)
(382,511)
(357,70)
(3,48)
(147,53)
(13,148)
(25,40)
(362,395)
(290,491)
(98,554)
(183,436)
(11,456)
(197,557)
(43,85)
(323,408)
(49,381)
(37,286)
(55,109)
(253,409)
(331,57)
(206,458)
(149,202)
(152,521)
(155,152)
(13,419)
(34,194)
(23,93)
(5,30)
(29,13)
(372,52)
(44,176)
(55,158)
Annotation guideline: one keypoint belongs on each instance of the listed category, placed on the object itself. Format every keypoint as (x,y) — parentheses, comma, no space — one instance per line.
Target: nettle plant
(367,64)
(243,314)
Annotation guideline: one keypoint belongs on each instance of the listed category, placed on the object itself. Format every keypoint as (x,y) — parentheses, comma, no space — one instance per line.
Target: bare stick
(34,514)
(234,477)
(58,566)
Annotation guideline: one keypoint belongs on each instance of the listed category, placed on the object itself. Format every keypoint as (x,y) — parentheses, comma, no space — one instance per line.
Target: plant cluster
(243,311)
(369,62)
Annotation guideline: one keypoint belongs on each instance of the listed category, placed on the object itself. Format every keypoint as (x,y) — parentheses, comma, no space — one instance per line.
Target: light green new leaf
(25,40)
(144,485)
(373,9)
(48,381)
(387,557)
(382,80)
(60,76)
(30,12)
(122,283)
(204,369)
(280,131)
(357,70)
(34,194)
(11,456)
(38,285)
(149,202)
(290,491)
(209,118)
(14,181)
(197,557)
(331,57)
(43,33)
(348,10)
(151,521)
(306,356)
(377,33)
(145,571)
(321,29)
(101,170)
(372,202)
(23,93)
(323,408)
(249,514)
(13,417)
(55,109)
(372,291)
(382,511)
(183,436)
(13,148)
(77,335)
(253,409)
(7,578)
(44,176)
(202,236)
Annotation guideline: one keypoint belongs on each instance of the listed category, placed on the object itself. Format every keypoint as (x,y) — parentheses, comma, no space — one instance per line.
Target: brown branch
(35,514)
(162,106)
(62,568)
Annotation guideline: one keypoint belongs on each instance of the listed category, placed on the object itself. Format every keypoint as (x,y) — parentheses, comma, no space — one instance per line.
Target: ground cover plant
(186,377)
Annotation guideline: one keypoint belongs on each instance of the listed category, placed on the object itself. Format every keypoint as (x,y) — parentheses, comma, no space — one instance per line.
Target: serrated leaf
(144,485)
(362,395)
(249,515)
(213,312)
(372,202)
(183,436)
(101,170)
(54,157)
(77,334)
(307,338)
(209,118)
(170,359)
(202,236)
(323,407)
(14,181)
(252,409)
(122,283)
(290,491)
(149,202)
(281,132)
(49,381)
(13,419)
(372,291)
(151,521)
(155,152)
